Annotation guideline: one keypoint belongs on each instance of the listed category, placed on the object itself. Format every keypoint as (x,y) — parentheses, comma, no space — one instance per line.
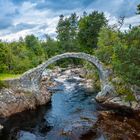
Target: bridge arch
(30,80)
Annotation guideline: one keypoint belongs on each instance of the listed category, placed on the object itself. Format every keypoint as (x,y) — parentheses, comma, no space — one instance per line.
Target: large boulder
(107,92)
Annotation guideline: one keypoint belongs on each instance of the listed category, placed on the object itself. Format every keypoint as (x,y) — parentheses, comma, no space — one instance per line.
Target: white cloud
(134,21)
(29,15)
(15,36)
(45,21)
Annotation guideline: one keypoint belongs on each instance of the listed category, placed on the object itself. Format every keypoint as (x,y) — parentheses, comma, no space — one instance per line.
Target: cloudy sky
(39,17)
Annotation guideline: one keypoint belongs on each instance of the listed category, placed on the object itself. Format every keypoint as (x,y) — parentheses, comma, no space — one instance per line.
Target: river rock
(14,101)
(26,136)
(118,101)
(136,91)
(107,92)
(135,105)
(1,127)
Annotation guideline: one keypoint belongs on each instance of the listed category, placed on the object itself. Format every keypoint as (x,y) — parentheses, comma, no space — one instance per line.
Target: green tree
(50,47)
(67,29)
(107,39)
(138,9)
(35,53)
(3,58)
(89,28)
(20,62)
(63,28)
(67,33)
(126,60)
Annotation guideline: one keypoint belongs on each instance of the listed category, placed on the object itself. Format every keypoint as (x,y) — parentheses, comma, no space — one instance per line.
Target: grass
(5,76)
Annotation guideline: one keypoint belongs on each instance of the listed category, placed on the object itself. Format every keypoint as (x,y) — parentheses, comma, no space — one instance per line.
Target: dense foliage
(138,9)
(121,51)
(89,28)
(89,33)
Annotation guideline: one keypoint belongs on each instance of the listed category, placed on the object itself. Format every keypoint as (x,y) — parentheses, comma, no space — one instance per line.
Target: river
(70,115)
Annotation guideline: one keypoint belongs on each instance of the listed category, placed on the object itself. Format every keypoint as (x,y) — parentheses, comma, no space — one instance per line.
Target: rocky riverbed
(14,101)
(115,126)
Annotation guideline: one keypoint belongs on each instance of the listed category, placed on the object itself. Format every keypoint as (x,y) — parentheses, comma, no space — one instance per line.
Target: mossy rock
(28,94)
(123,89)
(130,97)
(3,84)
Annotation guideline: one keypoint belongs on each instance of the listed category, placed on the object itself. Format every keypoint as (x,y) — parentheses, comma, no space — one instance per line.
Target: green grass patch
(5,76)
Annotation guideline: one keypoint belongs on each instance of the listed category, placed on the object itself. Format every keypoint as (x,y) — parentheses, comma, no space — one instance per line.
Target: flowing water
(71,115)
(71,112)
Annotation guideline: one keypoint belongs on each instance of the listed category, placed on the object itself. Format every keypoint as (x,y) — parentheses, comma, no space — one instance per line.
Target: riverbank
(121,117)
(115,126)
(13,101)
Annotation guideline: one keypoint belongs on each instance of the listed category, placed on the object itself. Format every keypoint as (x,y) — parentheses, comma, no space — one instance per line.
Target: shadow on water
(70,114)
(25,120)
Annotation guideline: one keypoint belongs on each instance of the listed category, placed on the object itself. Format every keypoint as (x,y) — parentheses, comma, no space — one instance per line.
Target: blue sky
(39,17)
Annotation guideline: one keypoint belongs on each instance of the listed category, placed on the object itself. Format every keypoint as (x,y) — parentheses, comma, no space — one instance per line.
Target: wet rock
(115,127)
(71,80)
(135,105)
(107,92)
(26,136)
(136,91)
(13,101)
(66,131)
(1,127)
(91,135)
(118,100)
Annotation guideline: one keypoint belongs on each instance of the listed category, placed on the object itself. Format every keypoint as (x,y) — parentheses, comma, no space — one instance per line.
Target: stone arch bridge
(30,80)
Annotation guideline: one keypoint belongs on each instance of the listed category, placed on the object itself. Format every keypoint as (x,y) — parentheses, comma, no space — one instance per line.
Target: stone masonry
(30,80)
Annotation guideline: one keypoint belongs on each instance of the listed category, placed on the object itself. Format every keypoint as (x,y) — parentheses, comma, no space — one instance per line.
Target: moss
(97,85)
(123,88)
(92,73)
(130,97)
(2,84)
(28,94)
(96,82)
(5,76)
(90,76)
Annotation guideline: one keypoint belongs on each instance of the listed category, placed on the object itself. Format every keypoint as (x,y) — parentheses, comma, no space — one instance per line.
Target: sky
(19,18)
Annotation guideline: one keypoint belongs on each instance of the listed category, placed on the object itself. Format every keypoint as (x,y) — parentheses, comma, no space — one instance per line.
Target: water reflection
(70,114)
